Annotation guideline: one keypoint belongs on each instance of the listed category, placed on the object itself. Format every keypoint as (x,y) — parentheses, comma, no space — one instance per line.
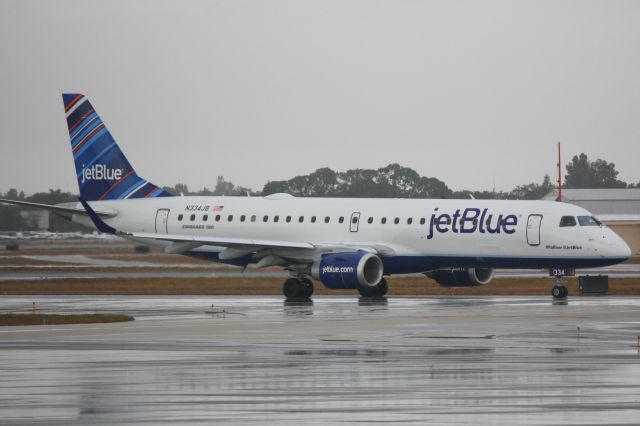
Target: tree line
(392,181)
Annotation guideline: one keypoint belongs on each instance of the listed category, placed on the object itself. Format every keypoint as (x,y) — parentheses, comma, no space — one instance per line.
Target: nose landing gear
(559,290)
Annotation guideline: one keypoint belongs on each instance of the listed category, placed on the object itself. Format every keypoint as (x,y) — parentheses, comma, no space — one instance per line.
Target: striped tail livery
(103,172)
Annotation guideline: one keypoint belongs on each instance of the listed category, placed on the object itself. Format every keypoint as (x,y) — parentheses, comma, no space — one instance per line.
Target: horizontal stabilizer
(65,210)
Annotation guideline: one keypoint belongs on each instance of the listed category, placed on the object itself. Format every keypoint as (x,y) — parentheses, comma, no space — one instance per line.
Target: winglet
(99,223)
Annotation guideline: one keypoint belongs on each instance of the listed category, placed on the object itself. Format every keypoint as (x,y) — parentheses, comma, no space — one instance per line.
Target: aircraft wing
(64,210)
(216,241)
(187,242)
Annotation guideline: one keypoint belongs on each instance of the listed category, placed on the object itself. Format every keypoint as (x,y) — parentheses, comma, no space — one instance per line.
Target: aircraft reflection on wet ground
(330,360)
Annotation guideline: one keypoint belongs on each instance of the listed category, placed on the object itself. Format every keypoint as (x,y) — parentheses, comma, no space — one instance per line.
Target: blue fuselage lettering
(471,220)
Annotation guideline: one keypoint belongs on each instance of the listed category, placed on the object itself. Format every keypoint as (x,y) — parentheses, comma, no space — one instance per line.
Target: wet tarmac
(336,360)
(182,271)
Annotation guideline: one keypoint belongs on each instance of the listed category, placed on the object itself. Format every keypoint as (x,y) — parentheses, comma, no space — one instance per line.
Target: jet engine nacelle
(348,270)
(462,277)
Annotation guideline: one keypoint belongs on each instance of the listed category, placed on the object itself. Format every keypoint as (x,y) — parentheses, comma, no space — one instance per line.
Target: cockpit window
(588,221)
(567,221)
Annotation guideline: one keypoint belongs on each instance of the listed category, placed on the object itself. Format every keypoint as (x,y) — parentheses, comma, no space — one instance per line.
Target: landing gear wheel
(367,291)
(380,290)
(295,288)
(307,288)
(559,291)
(292,288)
(383,288)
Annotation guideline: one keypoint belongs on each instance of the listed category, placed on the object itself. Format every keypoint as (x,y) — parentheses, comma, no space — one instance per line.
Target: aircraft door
(162,219)
(533,229)
(355,220)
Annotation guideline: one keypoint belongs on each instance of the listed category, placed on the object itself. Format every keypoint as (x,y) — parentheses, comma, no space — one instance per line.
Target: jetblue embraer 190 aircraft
(343,243)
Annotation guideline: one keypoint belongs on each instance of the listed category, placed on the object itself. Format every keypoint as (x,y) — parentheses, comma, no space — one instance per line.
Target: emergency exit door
(533,229)
(162,219)
(355,220)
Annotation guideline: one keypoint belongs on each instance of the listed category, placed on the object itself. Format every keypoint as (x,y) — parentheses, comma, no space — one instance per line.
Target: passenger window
(253,218)
(383,220)
(288,219)
(354,220)
(193,217)
(327,219)
(422,220)
(370,220)
(409,221)
(276,218)
(265,218)
(242,218)
(230,217)
(180,218)
(301,219)
(567,221)
(341,219)
(588,221)
(396,220)
(217,218)
(313,219)
(205,217)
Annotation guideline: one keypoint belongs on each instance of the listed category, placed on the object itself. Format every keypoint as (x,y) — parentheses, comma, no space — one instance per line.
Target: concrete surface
(337,360)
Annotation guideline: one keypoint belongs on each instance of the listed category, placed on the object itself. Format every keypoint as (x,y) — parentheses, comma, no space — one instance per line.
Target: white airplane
(350,243)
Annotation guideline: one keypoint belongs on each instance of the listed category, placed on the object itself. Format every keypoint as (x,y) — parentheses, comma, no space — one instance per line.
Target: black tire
(307,288)
(367,291)
(559,291)
(292,288)
(380,290)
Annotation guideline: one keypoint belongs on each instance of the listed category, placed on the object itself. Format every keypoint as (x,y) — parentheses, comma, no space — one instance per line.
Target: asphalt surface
(336,360)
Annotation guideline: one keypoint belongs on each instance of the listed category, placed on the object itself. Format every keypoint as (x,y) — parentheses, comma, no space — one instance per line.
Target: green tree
(10,219)
(57,223)
(532,191)
(386,182)
(582,173)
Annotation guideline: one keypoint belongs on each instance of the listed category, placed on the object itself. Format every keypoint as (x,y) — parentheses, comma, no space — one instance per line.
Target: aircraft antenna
(559,176)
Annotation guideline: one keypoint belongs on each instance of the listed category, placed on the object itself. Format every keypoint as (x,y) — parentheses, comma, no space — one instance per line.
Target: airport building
(619,208)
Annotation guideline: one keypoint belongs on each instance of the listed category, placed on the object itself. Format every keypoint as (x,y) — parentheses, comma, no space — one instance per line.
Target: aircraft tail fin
(103,172)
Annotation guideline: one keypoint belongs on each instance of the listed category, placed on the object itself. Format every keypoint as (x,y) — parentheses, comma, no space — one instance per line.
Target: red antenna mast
(559,176)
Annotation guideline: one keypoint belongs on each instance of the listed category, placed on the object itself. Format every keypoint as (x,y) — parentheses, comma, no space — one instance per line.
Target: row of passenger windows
(582,220)
(314,219)
(254,218)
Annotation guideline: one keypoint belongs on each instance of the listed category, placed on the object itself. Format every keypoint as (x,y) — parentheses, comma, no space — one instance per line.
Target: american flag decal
(218,208)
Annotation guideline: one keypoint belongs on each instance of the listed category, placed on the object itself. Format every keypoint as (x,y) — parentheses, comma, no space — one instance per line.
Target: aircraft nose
(618,247)
(624,249)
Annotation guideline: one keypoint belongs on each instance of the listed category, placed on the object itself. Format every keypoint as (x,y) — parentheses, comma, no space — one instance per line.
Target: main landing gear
(379,290)
(302,288)
(297,288)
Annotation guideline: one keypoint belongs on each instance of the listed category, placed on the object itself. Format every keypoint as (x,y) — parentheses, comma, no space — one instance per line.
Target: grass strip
(39,319)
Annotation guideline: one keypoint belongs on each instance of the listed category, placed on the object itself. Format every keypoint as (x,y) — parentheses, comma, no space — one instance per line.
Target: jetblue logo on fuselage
(100,172)
(471,220)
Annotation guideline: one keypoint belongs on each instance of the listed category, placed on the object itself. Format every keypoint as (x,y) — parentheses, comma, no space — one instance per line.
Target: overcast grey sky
(468,92)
